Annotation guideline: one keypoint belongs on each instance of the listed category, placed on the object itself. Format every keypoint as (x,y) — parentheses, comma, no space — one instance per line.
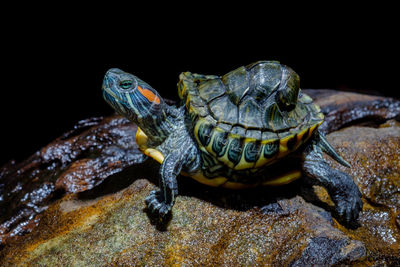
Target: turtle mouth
(110,98)
(118,105)
(108,92)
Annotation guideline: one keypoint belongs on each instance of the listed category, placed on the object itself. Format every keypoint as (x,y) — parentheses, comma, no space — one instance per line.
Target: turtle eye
(127,84)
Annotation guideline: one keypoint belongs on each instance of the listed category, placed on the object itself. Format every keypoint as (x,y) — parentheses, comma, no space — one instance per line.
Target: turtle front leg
(340,186)
(187,157)
(161,201)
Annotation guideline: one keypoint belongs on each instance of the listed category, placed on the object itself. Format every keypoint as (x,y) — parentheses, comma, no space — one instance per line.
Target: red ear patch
(149,95)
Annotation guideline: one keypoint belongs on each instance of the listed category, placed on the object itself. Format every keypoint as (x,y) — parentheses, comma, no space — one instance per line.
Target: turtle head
(130,96)
(137,101)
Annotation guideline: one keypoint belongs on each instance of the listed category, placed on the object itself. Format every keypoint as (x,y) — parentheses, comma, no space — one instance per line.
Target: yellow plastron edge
(223,182)
(141,140)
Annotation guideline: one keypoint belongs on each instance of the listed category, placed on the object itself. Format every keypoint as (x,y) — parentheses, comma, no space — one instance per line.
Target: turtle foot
(348,203)
(157,205)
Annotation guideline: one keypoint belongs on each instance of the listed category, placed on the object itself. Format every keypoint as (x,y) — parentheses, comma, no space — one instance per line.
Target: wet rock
(346,108)
(114,230)
(374,154)
(77,161)
(325,251)
(80,200)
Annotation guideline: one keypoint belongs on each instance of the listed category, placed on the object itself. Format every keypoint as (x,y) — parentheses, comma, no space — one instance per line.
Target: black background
(51,76)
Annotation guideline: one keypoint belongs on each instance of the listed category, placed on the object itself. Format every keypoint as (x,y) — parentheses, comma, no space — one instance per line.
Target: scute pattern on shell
(237,118)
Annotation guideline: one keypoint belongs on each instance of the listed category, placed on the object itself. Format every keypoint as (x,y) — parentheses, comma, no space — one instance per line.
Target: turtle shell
(251,116)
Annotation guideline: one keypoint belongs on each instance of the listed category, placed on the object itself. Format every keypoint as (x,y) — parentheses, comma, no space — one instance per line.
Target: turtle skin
(233,131)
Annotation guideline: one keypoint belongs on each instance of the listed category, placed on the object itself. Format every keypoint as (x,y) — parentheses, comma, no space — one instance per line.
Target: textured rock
(80,200)
(114,229)
(345,108)
(375,157)
(77,161)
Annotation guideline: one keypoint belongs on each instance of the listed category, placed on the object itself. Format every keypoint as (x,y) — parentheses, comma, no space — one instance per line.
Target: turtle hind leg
(340,186)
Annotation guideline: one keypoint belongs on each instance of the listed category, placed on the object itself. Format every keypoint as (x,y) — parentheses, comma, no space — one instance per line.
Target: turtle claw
(348,206)
(156,205)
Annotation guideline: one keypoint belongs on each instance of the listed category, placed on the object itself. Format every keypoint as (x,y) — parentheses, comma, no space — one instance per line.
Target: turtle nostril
(108,81)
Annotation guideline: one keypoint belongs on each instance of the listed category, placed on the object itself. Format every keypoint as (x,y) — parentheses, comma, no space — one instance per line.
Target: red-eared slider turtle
(232,131)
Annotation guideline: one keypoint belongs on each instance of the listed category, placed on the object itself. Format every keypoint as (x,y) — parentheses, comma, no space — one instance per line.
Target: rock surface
(80,201)
(345,109)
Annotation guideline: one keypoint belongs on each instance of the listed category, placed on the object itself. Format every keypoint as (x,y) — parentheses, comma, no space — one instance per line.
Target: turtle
(240,130)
